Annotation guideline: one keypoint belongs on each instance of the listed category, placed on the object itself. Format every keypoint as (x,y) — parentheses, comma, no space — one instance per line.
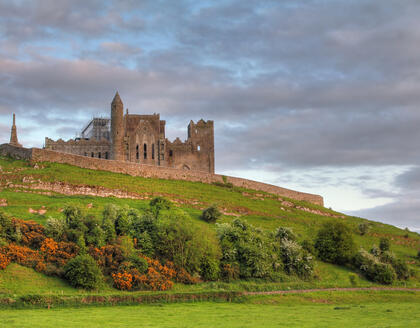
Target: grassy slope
(260,209)
(383,309)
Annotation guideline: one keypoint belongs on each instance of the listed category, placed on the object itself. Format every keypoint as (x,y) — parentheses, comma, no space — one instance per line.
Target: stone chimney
(13,136)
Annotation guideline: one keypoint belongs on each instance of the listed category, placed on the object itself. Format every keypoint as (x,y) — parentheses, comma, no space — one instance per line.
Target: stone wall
(149,171)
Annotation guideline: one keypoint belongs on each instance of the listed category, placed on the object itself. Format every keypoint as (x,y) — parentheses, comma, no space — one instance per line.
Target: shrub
(363,228)
(334,243)
(158,204)
(211,214)
(401,269)
(145,244)
(183,241)
(83,272)
(295,259)
(30,233)
(74,217)
(230,271)
(4,261)
(373,269)
(308,246)
(139,263)
(248,247)
(55,228)
(384,244)
(418,255)
(209,268)
(285,234)
(94,234)
(7,230)
(123,221)
(353,279)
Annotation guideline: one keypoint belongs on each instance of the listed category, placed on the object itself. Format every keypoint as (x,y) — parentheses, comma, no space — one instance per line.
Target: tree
(83,272)
(334,243)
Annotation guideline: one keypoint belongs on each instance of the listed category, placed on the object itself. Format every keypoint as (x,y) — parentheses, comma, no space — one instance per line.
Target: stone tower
(13,135)
(117,128)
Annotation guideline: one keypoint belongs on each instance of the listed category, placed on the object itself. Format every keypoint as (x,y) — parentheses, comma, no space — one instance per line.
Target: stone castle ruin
(141,139)
(136,145)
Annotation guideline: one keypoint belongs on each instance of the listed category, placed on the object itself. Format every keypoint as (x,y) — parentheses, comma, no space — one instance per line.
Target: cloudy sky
(315,95)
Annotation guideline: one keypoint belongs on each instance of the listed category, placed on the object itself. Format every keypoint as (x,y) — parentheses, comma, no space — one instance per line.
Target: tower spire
(13,135)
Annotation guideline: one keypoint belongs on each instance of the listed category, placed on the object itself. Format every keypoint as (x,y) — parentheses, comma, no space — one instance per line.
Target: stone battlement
(149,171)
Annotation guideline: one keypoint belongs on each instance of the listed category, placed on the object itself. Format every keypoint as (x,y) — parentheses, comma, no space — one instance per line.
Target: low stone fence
(148,171)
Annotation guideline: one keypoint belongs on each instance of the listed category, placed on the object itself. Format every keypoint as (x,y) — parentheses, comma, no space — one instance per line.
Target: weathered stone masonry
(148,171)
(141,139)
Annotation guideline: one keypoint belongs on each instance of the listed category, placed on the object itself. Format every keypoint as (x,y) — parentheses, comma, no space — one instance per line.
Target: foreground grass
(324,310)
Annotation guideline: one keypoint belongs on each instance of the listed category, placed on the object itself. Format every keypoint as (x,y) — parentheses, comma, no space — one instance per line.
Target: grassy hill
(31,194)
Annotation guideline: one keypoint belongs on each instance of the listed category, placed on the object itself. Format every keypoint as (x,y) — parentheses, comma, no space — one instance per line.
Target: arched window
(106,155)
(93,154)
(137,152)
(170,153)
(145,151)
(153,151)
(99,155)
(86,154)
(198,148)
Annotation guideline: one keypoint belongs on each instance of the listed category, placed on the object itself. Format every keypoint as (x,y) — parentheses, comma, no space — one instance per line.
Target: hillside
(38,192)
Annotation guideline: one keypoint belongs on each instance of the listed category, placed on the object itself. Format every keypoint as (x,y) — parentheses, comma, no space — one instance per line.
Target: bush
(308,246)
(363,228)
(209,268)
(401,269)
(83,272)
(7,230)
(158,204)
(334,243)
(373,269)
(74,217)
(418,255)
(183,241)
(249,248)
(285,233)
(94,234)
(353,279)
(384,244)
(211,214)
(55,228)
(295,259)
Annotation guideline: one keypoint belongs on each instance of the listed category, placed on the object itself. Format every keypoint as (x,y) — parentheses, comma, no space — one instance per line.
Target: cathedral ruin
(141,139)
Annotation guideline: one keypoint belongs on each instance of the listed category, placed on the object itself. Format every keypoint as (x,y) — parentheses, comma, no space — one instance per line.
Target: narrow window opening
(86,154)
(106,155)
(93,154)
(137,152)
(99,155)
(170,153)
(153,151)
(198,148)
(145,151)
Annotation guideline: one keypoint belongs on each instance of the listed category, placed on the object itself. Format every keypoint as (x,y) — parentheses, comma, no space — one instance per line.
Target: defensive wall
(149,171)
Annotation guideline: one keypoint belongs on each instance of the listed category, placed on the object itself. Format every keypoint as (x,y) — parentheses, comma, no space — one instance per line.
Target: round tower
(117,128)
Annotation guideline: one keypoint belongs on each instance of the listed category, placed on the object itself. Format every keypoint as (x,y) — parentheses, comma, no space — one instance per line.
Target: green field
(322,310)
(260,209)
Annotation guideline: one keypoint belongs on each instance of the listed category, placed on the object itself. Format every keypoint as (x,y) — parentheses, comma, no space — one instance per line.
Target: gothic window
(93,154)
(99,155)
(170,153)
(153,151)
(137,152)
(86,154)
(145,151)
(198,148)
(106,155)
